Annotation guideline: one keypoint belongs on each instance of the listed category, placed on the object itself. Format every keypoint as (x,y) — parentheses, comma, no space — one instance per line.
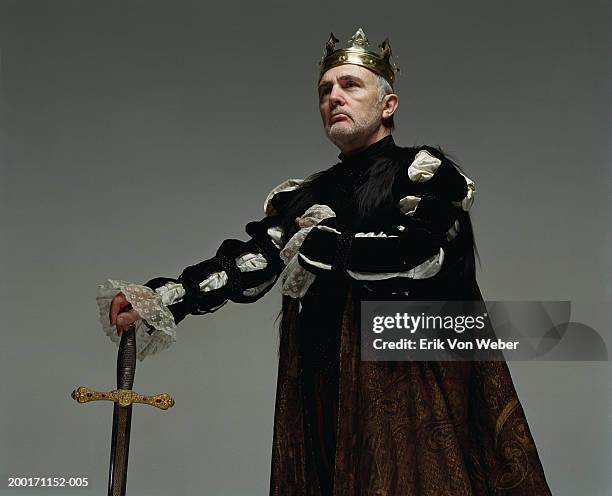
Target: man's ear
(389,105)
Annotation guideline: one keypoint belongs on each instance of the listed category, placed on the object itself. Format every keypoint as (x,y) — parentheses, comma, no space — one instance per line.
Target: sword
(123,398)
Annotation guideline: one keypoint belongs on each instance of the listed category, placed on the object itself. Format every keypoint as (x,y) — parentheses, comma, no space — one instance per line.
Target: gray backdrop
(136,136)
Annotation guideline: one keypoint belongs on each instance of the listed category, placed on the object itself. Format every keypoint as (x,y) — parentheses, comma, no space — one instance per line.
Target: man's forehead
(345,71)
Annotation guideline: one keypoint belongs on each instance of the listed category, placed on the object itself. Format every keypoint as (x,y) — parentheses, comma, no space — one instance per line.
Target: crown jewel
(357,53)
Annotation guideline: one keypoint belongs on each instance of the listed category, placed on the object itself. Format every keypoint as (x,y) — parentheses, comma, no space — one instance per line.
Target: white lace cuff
(151,307)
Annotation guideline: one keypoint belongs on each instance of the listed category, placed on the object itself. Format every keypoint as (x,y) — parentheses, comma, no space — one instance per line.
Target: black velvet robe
(348,427)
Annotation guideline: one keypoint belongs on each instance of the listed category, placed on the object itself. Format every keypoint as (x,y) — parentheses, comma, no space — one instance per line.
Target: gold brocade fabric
(406,428)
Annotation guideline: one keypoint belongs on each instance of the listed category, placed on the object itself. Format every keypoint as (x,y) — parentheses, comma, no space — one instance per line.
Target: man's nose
(336,97)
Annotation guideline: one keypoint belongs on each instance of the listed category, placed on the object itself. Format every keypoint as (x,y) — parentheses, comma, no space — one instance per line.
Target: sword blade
(120,446)
(122,416)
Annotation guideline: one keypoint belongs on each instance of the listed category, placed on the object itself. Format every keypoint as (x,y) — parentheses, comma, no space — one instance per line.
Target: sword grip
(126,359)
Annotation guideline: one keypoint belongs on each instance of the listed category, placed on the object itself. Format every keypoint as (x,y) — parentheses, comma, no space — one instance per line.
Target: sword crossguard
(123,397)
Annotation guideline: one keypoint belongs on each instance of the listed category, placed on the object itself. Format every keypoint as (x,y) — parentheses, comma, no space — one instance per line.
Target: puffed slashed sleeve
(431,195)
(240,271)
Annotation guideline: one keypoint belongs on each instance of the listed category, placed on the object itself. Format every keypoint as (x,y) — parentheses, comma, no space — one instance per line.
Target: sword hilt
(126,369)
(123,397)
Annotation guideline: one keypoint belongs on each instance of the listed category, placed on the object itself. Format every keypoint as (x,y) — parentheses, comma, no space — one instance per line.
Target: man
(384,222)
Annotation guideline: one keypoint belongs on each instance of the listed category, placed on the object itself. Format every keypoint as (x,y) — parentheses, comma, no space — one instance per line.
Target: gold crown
(357,53)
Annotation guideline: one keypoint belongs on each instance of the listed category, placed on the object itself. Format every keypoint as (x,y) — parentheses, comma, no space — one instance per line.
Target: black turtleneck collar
(382,147)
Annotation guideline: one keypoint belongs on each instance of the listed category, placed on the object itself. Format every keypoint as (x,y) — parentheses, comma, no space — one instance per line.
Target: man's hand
(121,313)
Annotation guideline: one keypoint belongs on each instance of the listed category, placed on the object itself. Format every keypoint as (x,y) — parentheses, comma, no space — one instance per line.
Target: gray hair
(384,89)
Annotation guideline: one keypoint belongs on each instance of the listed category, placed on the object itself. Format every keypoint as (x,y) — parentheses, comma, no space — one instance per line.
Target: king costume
(386,222)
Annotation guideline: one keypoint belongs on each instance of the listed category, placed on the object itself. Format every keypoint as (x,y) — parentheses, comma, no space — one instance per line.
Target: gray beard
(343,135)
